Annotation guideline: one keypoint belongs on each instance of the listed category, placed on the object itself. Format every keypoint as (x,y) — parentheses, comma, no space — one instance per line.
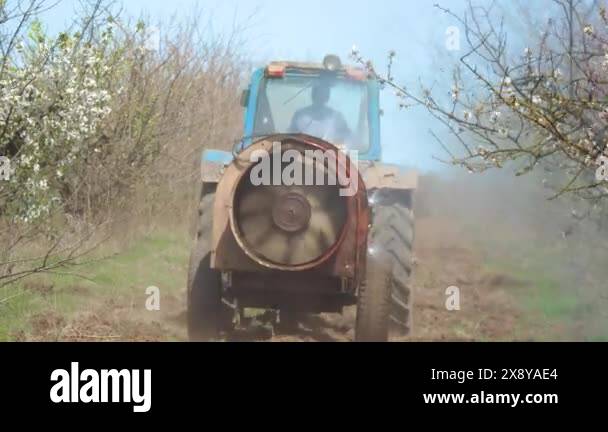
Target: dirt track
(488,310)
(519,278)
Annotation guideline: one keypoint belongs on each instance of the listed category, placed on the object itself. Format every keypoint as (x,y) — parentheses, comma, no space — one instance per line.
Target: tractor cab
(329,101)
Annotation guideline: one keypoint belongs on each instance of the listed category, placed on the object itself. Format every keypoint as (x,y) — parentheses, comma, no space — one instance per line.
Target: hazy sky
(309,29)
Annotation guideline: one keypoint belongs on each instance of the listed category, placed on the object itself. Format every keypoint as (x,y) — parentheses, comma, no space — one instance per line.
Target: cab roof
(278,68)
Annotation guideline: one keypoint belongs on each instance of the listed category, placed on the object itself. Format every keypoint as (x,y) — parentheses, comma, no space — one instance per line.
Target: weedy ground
(518,276)
(106,299)
(509,290)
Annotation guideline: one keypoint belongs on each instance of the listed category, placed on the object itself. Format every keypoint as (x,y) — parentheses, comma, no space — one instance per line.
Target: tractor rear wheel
(207,314)
(392,234)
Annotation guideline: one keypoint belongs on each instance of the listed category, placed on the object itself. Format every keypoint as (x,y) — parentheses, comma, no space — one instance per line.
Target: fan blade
(255,199)
(273,246)
(322,197)
(255,228)
(326,226)
(305,249)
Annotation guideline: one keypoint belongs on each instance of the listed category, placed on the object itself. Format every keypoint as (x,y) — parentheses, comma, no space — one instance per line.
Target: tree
(94,115)
(544,106)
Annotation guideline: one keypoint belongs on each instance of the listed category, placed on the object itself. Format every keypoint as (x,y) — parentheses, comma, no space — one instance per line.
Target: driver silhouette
(319,120)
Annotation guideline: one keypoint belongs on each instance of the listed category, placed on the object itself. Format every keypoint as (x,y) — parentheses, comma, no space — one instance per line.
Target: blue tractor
(270,236)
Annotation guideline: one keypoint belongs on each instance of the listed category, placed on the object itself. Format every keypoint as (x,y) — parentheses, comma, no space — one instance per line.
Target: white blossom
(495,116)
(50,70)
(557,73)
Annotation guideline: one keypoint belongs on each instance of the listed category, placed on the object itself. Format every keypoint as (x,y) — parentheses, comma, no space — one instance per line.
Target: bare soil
(489,310)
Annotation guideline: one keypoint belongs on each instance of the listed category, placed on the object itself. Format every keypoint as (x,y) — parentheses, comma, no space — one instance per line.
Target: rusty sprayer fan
(289,226)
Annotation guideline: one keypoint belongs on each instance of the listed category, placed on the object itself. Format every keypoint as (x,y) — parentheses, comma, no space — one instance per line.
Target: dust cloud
(545,254)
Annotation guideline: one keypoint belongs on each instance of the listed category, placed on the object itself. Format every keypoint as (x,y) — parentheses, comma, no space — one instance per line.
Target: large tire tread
(393,234)
(206,313)
(374,302)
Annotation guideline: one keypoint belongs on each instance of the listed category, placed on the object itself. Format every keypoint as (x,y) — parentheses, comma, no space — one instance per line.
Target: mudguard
(213,165)
(377,175)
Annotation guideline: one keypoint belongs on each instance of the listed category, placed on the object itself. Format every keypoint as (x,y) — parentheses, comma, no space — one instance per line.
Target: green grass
(550,301)
(158,259)
(552,297)
(22,303)
(154,260)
